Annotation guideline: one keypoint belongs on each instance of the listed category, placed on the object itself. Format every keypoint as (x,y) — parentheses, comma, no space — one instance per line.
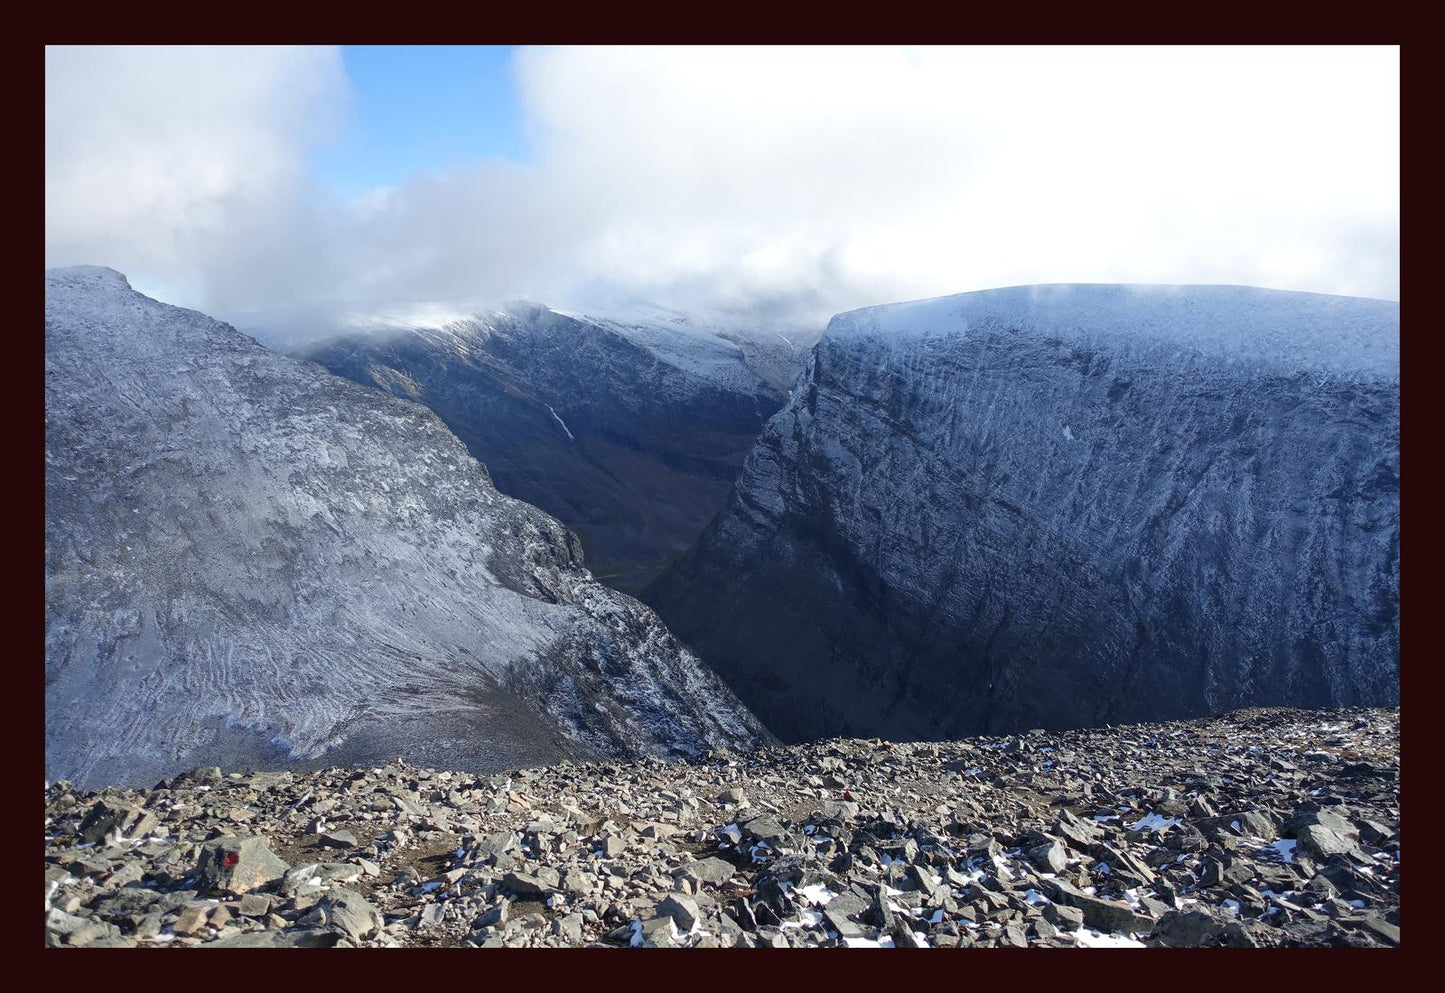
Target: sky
(421,109)
(776,184)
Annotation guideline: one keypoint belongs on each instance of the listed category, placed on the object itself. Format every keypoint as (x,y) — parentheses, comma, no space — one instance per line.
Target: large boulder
(238,865)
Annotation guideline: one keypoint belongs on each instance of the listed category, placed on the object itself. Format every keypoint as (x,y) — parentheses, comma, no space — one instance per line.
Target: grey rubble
(1259,828)
(252,562)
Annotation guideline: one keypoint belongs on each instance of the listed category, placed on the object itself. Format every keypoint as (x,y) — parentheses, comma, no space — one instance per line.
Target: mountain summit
(1057,506)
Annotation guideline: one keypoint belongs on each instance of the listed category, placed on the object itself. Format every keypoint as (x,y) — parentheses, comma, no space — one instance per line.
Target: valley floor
(1257,828)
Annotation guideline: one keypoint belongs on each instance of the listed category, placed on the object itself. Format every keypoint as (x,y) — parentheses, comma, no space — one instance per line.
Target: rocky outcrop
(253,562)
(630,429)
(1177,835)
(1059,506)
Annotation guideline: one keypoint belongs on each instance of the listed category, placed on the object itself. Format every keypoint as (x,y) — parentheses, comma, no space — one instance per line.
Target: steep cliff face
(1062,505)
(252,561)
(629,428)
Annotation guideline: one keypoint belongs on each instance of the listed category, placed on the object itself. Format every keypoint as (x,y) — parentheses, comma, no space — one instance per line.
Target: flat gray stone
(711,869)
(681,909)
(348,912)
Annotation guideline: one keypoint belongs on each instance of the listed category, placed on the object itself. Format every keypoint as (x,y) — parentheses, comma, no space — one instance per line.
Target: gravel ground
(1257,828)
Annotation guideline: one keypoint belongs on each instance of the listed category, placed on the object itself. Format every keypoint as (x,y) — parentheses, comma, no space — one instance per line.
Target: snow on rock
(629,428)
(563,423)
(725,350)
(1060,505)
(1154,822)
(1255,330)
(1285,848)
(251,561)
(1089,938)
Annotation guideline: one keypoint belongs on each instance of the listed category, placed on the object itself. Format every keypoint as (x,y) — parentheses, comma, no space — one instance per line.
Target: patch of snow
(1267,329)
(817,894)
(884,942)
(810,919)
(561,422)
(1088,938)
(1153,822)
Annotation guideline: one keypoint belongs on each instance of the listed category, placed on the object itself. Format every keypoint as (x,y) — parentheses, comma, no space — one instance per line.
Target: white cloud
(776,181)
(182,166)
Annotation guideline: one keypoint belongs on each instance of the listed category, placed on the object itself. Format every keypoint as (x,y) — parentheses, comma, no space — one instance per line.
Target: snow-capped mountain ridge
(249,559)
(630,431)
(1253,328)
(995,511)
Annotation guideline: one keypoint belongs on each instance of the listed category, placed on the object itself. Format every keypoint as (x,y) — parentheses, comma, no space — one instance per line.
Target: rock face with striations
(250,561)
(629,428)
(1062,505)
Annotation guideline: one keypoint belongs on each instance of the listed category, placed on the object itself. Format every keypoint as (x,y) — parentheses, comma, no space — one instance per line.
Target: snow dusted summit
(1055,506)
(252,561)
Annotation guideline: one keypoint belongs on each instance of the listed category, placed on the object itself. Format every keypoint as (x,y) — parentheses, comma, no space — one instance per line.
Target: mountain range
(1048,506)
(252,561)
(629,428)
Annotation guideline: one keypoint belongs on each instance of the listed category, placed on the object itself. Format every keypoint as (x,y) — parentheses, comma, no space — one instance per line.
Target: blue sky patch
(419,109)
